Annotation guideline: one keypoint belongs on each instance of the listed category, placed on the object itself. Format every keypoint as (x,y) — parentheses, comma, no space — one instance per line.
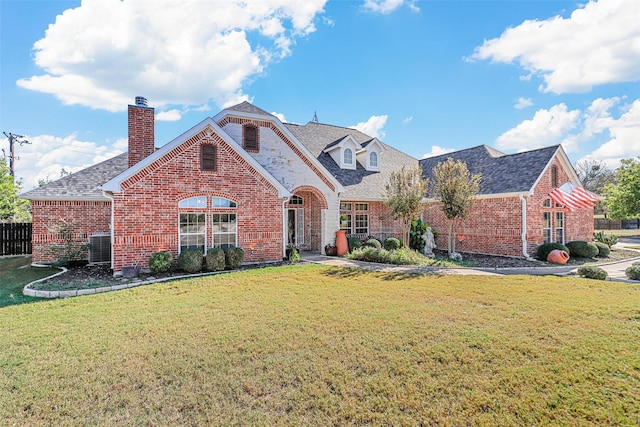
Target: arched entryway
(304,218)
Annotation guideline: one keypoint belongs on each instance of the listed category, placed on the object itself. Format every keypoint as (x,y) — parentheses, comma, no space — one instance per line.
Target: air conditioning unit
(100,248)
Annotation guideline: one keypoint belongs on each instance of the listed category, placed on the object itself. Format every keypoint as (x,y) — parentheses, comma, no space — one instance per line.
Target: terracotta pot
(341,242)
(558,256)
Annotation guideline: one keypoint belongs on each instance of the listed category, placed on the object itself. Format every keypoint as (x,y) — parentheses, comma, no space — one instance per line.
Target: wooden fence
(613,224)
(15,238)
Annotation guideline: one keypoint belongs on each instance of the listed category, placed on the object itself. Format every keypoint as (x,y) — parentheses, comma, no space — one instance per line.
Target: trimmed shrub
(215,259)
(190,260)
(603,250)
(233,257)
(402,256)
(633,272)
(582,249)
(295,256)
(591,272)
(354,243)
(608,240)
(160,262)
(543,250)
(391,244)
(374,243)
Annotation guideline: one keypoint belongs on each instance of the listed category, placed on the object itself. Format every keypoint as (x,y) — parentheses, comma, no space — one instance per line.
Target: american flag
(572,197)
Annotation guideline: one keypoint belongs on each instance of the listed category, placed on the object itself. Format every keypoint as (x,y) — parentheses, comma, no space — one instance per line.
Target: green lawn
(15,272)
(312,345)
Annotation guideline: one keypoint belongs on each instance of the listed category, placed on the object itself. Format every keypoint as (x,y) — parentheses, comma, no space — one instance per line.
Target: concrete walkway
(615,270)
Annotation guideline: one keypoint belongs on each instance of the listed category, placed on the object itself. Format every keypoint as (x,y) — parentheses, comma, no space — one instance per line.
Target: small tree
(404,195)
(456,189)
(12,208)
(623,198)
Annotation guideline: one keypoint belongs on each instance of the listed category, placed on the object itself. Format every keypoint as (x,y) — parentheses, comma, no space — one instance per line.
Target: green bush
(190,260)
(160,262)
(215,259)
(354,243)
(418,228)
(391,244)
(591,272)
(402,256)
(608,240)
(295,256)
(633,272)
(233,257)
(582,249)
(374,243)
(603,250)
(545,249)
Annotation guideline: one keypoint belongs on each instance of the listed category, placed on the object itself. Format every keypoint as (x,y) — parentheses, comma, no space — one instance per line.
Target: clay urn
(341,242)
(558,256)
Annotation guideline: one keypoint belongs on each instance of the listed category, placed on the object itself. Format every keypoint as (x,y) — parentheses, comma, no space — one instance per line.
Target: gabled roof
(359,183)
(501,173)
(114,185)
(247,107)
(82,185)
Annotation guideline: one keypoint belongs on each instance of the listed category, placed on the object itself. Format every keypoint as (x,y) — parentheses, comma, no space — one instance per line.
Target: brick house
(244,178)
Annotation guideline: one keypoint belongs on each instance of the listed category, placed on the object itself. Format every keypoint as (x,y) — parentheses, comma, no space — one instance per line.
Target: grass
(15,273)
(313,345)
(622,233)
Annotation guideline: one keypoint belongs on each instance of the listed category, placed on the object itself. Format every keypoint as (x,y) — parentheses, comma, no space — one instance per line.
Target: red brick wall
(382,224)
(141,133)
(146,211)
(86,218)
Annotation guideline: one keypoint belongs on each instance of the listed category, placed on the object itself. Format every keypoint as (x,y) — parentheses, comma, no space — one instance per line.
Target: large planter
(341,242)
(558,256)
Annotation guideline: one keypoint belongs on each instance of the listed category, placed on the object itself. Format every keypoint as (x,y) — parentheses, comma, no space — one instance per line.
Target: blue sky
(426,77)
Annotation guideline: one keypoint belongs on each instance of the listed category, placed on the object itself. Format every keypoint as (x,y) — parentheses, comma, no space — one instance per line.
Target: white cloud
(104,52)
(523,103)
(169,116)
(547,127)
(373,126)
(624,142)
(436,150)
(387,6)
(598,44)
(280,117)
(407,120)
(47,155)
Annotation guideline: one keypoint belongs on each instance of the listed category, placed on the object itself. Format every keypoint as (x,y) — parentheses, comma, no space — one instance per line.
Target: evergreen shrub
(233,257)
(215,259)
(190,260)
(392,244)
(160,262)
(603,250)
(591,272)
(582,249)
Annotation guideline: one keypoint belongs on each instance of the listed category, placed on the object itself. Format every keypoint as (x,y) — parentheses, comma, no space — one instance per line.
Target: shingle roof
(83,184)
(246,107)
(360,183)
(501,173)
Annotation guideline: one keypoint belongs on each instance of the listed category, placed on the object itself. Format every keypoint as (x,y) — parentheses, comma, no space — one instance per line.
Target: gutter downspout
(110,197)
(524,226)
(285,226)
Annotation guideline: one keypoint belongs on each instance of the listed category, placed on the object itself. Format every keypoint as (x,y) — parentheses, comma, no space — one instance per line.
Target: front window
(373,160)
(559,227)
(348,156)
(225,230)
(362,224)
(546,226)
(192,231)
(362,206)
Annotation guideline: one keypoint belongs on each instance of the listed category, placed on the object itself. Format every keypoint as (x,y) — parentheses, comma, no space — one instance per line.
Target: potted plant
(331,250)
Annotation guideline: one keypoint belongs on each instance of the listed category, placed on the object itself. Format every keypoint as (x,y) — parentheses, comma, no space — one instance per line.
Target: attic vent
(141,101)
(100,248)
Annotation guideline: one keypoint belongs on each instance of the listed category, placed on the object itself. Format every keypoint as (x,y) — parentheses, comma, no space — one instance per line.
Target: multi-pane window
(546,226)
(225,229)
(345,206)
(559,227)
(193,202)
(362,224)
(220,202)
(250,139)
(345,222)
(373,159)
(348,156)
(192,231)
(362,206)
(296,200)
(207,157)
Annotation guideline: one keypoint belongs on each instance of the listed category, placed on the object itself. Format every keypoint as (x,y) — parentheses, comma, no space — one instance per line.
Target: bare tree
(456,189)
(404,195)
(594,174)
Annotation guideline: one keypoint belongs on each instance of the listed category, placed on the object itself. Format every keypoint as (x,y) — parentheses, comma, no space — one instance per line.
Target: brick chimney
(141,131)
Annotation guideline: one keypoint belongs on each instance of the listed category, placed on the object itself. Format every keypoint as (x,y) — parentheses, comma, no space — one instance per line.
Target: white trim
(114,185)
(523,235)
(111,222)
(566,165)
(273,119)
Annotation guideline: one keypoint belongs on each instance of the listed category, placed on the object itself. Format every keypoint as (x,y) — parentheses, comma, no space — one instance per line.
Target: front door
(295,227)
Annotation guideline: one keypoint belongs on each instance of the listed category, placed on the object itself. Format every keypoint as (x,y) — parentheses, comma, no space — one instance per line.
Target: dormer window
(348,156)
(250,138)
(373,159)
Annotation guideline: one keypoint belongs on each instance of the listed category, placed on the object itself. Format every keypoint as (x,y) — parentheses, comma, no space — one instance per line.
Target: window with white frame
(225,230)
(546,226)
(296,201)
(193,202)
(222,203)
(345,206)
(348,156)
(559,227)
(373,159)
(345,222)
(362,206)
(192,231)
(362,224)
